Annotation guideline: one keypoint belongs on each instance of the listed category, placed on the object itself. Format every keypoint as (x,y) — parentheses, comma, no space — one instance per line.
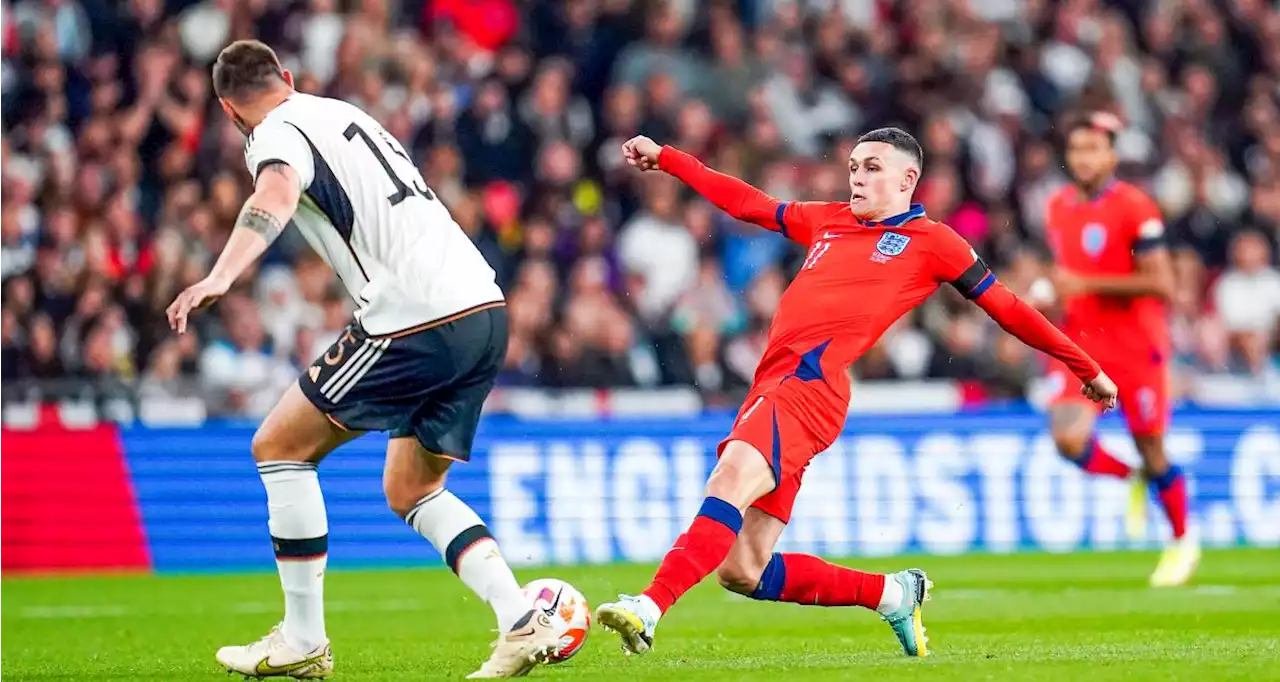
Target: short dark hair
(899,139)
(1100,121)
(245,68)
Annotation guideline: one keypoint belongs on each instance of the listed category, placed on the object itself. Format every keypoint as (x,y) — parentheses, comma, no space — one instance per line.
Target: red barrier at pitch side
(66,502)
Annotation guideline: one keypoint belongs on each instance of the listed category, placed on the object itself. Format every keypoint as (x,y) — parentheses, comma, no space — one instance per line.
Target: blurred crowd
(121,177)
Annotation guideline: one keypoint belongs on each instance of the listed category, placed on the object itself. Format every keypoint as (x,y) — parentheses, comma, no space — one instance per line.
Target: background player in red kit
(870,260)
(1113,277)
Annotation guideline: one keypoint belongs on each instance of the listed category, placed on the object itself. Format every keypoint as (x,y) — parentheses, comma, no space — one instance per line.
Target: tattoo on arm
(278,167)
(260,221)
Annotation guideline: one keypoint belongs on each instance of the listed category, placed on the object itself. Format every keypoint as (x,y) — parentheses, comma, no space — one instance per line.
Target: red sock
(696,553)
(1099,462)
(806,579)
(1171,488)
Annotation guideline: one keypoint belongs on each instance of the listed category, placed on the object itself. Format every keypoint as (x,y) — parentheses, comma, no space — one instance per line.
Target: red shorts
(789,424)
(1143,397)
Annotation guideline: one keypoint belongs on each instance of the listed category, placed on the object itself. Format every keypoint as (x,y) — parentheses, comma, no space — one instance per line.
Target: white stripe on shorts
(341,388)
(347,366)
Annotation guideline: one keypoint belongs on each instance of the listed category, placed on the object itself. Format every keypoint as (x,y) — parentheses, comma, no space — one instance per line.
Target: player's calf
(741,476)
(286,446)
(742,569)
(1167,481)
(754,570)
(811,581)
(414,483)
(807,579)
(1072,425)
(737,577)
(404,487)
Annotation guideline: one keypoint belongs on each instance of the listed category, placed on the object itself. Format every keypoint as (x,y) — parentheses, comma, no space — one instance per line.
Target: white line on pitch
(251,607)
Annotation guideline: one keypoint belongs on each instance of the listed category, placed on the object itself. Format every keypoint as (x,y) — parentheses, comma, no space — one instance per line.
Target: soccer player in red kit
(870,260)
(1113,277)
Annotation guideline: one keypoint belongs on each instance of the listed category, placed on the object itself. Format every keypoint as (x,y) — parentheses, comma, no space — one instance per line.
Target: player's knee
(267,446)
(739,576)
(403,495)
(1072,429)
(1071,445)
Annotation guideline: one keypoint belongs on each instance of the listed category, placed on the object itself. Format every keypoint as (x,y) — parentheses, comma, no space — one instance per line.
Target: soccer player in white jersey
(417,361)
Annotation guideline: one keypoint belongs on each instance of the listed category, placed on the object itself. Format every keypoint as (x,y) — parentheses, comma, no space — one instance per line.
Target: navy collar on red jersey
(916,211)
(1103,190)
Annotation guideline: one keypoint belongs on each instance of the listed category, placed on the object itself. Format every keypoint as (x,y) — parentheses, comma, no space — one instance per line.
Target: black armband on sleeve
(976,279)
(1145,244)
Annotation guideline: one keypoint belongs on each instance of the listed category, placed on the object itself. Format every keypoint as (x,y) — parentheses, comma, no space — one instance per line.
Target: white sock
(649,607)
(300,537)
(457,532)
(892,597)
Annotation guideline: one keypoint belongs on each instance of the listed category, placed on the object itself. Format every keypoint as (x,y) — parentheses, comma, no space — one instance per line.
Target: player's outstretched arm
(959,265)
(261,220)
(731,195)
(1032,328)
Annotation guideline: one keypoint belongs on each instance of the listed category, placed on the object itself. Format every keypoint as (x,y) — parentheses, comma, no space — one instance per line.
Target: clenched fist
(1101,390)
(641,152)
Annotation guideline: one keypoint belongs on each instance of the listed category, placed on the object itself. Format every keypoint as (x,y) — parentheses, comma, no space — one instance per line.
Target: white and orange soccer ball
(568,610)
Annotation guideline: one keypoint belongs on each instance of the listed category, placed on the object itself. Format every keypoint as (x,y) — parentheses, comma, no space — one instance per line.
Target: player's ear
(288,77)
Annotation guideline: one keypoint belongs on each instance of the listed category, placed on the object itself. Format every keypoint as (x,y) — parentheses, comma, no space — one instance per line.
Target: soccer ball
(568,610)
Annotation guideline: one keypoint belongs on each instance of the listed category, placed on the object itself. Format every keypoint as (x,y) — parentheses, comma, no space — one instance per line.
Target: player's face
(880,178)
(1090,156)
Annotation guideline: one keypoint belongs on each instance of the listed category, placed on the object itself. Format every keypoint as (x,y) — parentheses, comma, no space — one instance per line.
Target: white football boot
(1178,562)
(634,619)
(520,649)
(272,656)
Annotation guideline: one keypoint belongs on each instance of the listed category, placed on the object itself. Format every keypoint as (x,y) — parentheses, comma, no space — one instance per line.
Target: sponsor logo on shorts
(359,364)
(1147,404)
(340,347)
(751,409)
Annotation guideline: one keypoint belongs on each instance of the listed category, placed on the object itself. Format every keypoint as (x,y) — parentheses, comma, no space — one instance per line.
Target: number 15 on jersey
(404,190)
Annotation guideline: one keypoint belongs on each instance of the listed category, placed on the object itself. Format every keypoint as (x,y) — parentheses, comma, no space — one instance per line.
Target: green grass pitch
(1021,617)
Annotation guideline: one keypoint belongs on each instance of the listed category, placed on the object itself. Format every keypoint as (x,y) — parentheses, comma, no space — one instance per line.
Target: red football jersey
(857,279)
(1104,235)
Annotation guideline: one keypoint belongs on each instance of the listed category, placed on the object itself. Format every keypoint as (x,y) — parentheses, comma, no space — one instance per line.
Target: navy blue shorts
(429,382)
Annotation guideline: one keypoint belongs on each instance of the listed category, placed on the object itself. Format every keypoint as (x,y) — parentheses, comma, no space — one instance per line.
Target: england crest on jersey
(1094,239)
(892,243)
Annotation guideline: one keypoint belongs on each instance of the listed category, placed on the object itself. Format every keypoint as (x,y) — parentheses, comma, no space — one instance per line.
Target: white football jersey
(366,210)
